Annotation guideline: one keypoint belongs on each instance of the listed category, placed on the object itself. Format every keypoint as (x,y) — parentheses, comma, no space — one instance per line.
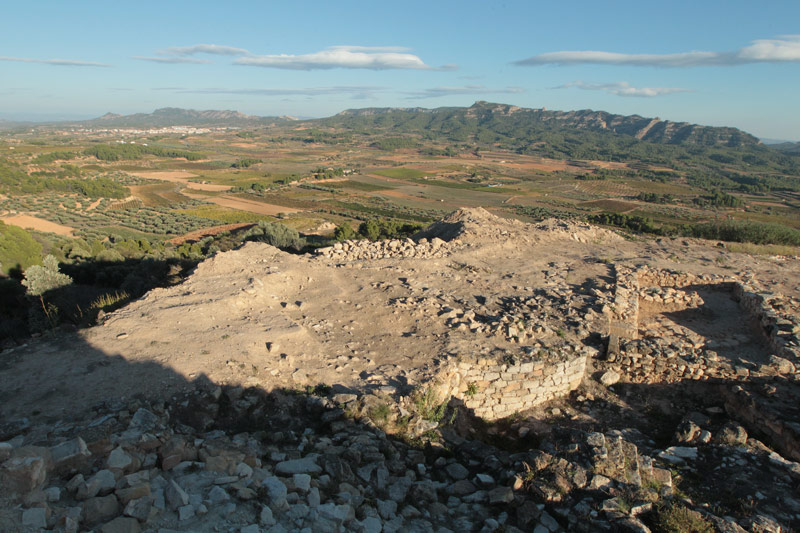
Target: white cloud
(787,48)
(354,57)
(55,62)
(214,49)
(174,60)
(623,88)
(435,92)
(784,49)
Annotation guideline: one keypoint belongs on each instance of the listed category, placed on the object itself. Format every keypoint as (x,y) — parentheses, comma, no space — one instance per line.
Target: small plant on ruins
(110,301)
(379,413)
(472,389)
(427,405)
(677,517)
(560,332)
(402,423)
(320,389)
(51,314)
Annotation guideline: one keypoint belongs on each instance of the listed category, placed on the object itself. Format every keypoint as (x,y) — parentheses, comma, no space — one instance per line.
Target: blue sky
(717,62)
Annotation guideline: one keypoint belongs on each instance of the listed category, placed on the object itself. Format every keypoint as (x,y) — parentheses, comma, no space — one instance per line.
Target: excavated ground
(380,319)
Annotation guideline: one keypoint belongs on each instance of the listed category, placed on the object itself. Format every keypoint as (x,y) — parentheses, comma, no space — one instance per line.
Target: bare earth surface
(183,177)
(38,224)
(260,317)
(251,206)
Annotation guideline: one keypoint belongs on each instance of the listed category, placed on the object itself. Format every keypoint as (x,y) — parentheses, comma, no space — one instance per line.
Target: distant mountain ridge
(174,116)
(503,116)
(788,146)
(480,122)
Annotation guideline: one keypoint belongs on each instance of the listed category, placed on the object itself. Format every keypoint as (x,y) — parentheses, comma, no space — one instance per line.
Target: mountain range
(483,121)
(505,118)
(174,116)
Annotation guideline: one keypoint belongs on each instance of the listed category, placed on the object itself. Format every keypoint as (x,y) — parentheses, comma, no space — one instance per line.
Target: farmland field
(290,173)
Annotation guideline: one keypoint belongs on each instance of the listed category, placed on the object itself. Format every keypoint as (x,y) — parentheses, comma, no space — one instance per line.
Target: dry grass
(762,249)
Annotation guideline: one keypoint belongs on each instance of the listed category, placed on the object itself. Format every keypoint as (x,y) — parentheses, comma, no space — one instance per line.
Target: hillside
(790,147)
(505,119)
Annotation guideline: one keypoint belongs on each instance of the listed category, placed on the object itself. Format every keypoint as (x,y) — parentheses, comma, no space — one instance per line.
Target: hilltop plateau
(485,373)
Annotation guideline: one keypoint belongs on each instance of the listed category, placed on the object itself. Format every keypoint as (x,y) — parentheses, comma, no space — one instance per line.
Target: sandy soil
(398,194)
(38,224)
(94,204)
(251,206)
(182,177)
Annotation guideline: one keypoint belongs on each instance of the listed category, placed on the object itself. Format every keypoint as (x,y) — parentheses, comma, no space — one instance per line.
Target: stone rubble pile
(652,277)
(137,469)
(363,250)
(670,299)
(297,464)
(549,313)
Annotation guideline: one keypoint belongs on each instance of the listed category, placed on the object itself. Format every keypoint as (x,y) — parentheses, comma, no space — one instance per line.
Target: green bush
(344,232)
(374,229)
(18,250)
(42,278)
(747,231)
(246,162)
(676,517)
(277,235)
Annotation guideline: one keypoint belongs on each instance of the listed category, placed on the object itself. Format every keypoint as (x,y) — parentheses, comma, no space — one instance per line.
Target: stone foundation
(495,389)
(777,317)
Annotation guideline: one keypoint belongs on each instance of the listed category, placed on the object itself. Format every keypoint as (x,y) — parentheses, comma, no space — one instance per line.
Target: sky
(715,62)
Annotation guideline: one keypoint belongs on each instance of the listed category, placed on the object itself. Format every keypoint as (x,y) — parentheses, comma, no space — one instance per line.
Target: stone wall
(495,389)
(775,318)
(778,318)
(360,250)
(623,314)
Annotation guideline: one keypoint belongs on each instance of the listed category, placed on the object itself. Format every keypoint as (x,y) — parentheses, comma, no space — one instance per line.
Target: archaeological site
(485,375)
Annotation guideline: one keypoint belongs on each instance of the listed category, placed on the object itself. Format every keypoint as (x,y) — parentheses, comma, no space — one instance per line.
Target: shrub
(345,232)
(427,405)
(747,231)
(677,517)
(18,249)
(277,235)
(40,279)
(370,229)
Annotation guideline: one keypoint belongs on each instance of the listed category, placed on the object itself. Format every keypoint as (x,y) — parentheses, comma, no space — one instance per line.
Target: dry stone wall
(778,318)
(361,250)
(494,389)
(623,314)
(677,353)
